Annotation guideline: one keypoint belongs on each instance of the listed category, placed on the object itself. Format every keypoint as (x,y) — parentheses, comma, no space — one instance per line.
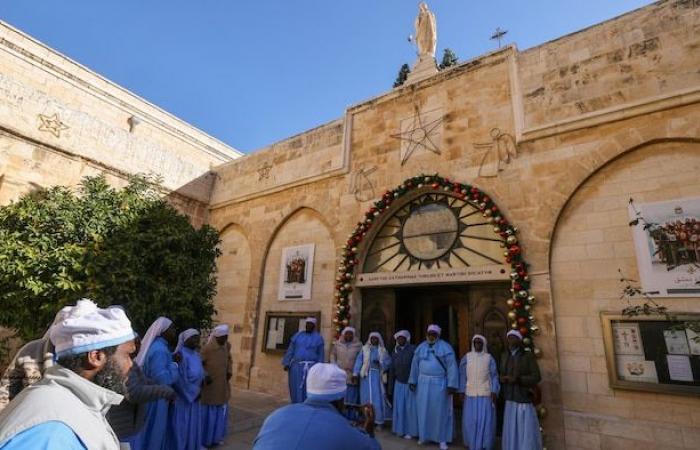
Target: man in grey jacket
(127,418)
(66,409)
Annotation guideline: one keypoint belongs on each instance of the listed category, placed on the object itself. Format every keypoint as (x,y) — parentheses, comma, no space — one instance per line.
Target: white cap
(435,328)
(403,333)
(346,329)
(218,331)
(326,382)
(85,327)
(311,319)
(515,333)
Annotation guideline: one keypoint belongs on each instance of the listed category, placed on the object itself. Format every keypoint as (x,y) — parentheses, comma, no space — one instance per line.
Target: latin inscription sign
(461,275)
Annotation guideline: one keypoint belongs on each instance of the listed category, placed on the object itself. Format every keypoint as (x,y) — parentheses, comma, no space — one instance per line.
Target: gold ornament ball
(541,412)
(514,325)
(510,302)
(511,315)
(512,240)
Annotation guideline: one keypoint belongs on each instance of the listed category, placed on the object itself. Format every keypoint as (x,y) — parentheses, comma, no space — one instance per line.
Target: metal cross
(498,35)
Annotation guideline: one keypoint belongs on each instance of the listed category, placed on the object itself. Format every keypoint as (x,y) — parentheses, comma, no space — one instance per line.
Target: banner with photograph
(667,243)
(296,272)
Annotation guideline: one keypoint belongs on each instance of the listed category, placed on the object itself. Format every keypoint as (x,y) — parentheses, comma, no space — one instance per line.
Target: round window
(430,231)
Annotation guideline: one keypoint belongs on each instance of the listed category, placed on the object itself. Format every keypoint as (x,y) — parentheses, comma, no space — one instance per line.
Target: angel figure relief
(499,152)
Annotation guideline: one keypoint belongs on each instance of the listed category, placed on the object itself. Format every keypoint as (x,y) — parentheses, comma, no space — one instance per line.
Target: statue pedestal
(424,68)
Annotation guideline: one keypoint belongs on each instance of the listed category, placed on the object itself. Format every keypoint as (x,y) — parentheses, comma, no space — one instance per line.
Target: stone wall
(640,57)
(60,121)
(592,242)
(564,112)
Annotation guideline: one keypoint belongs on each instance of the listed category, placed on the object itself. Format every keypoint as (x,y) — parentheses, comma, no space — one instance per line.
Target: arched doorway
(433,257)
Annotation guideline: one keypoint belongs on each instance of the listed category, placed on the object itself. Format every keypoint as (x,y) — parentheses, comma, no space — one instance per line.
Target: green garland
(520,303)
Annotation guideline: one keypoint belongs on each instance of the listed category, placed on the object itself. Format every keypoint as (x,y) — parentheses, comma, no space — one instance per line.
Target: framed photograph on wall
(667,244)
(296,272)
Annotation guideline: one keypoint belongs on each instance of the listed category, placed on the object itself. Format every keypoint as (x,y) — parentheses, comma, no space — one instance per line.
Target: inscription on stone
(463,275)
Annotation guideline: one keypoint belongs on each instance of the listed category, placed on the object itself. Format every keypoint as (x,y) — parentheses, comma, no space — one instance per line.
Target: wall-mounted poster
(296,272)
(667,243)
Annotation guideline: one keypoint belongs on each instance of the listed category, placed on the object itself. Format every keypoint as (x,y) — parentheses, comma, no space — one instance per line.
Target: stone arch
(573,176)
(303,225)
(590,241)
(233,267)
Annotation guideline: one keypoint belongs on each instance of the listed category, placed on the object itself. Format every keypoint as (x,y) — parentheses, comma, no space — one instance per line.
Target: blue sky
(252,72)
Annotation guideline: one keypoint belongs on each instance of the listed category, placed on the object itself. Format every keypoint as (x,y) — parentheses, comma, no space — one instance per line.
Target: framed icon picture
(296,272)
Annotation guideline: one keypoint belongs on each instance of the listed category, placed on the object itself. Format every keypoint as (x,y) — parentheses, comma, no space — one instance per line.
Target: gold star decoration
(52,124)
(420,135)
(264,172)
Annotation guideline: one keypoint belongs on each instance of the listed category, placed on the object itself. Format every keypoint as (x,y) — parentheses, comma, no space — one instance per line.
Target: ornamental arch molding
(303,225)
(430,223)
(233,277)
(559,210)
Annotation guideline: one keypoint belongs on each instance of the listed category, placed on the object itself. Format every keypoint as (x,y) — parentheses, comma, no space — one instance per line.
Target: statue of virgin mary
(426,32)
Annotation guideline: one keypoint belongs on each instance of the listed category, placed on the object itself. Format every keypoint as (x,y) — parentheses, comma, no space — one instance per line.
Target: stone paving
(249,409)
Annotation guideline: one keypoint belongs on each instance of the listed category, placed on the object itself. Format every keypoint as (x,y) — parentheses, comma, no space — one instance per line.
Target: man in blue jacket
(317,423)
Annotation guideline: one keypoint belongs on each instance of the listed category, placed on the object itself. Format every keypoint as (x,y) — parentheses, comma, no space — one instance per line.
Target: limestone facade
(593,118)
(59,122)
(560,136)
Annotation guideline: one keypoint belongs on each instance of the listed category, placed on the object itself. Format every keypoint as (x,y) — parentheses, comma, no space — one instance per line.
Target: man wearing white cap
(66,409)
(343,354)
(478,383)
(317,423)
(305,350)
(216,357)
(435,379)
(519,373)
(156,359)
(405,420)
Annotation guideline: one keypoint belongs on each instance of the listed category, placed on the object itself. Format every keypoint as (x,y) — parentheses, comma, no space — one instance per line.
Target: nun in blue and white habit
(478,381)
(435,378)
(405,420)
(371,365)
(186,412)
(156,360)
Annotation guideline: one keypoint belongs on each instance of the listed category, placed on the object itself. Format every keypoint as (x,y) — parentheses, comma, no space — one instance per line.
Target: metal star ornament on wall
(52,124)
(422,133)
